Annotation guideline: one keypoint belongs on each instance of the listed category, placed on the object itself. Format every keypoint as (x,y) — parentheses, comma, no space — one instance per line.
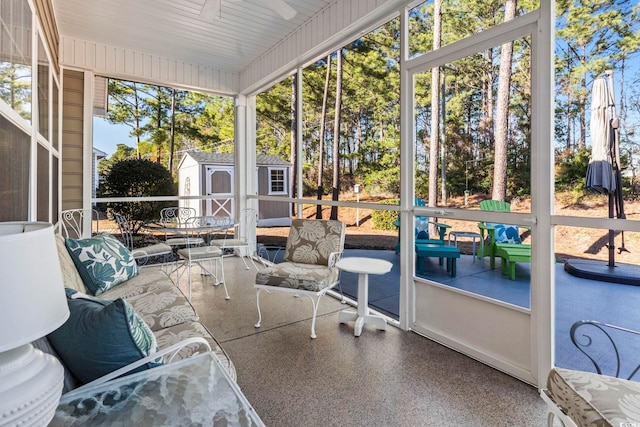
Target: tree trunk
(443,145)
(158,127)
(336,137)
(172,137)
(434,146)
(583,103)
(137,118)
(502,113)
(491,136)
(323,119)
(569,133)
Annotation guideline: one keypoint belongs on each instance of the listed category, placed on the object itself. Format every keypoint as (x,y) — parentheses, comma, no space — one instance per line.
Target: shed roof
(228,159)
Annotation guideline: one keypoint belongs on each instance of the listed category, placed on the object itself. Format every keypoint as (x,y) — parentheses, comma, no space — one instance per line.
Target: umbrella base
(626,274)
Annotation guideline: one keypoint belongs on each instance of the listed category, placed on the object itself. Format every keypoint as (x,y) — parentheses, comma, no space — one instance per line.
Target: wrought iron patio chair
(312,250)
(73,221)
(604,395)
(237,244)
(178,216)
(197,229)
(144,253)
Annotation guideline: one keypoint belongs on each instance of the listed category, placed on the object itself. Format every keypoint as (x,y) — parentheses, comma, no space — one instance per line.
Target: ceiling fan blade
(210,10)
(282,8)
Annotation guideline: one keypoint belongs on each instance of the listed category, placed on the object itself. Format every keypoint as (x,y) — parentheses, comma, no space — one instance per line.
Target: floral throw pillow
(102,261)
(422,228)
(506,233)
(101,336)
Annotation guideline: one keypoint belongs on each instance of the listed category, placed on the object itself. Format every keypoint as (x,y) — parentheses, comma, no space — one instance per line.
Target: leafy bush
(383,220)
(137,178)
(571,172)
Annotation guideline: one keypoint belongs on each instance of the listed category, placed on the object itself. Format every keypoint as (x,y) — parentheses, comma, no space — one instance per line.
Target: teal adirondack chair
(421,228)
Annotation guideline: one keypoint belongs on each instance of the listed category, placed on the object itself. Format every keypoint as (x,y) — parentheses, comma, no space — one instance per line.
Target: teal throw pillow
(102,261)
(101,336)
(506,233)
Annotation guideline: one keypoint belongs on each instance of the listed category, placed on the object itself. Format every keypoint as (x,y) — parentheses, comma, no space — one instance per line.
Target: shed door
(219,183)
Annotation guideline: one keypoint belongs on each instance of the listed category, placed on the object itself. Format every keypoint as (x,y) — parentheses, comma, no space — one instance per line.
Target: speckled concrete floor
(382,378)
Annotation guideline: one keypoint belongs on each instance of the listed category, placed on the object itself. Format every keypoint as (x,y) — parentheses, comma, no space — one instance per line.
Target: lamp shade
(32,297)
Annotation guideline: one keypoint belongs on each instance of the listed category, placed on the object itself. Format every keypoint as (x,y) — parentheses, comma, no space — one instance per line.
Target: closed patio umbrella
(604,176)
(600,175)
(603,172)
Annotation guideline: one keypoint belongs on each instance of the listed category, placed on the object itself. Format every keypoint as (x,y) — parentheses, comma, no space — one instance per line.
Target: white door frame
(515,340)
(216,207)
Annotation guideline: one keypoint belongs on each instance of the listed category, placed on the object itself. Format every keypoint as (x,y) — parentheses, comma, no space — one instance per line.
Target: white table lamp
(32,304)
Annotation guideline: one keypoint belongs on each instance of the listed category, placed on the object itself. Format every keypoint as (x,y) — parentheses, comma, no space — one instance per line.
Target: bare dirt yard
(570,242)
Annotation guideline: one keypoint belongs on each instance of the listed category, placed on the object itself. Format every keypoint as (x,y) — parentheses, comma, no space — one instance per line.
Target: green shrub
(571,173)
(383,220)
(137,178)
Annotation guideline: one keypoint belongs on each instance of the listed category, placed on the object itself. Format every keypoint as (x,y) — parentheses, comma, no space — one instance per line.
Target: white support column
(542,196)
(240,154)
(299,153)
(407,300)
(87,150)
(245,176)
(250,148)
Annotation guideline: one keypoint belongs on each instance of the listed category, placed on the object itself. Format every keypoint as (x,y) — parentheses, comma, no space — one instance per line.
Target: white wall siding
(335,26)
(190,169)
(111,61)
(497,334)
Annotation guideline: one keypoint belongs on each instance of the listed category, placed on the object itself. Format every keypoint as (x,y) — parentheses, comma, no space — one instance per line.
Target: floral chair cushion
(293,275)
(591,399)
(312,242)
(101,336)
(102,261)
(421,226)
(506,233)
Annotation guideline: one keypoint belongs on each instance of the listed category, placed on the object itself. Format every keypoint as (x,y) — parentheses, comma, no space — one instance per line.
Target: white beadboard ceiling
(245,30)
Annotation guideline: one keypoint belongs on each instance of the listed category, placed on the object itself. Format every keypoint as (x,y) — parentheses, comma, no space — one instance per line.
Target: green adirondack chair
(502,240)
(488,231)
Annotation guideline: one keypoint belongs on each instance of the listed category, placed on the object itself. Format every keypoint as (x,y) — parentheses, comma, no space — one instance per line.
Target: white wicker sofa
(155,299)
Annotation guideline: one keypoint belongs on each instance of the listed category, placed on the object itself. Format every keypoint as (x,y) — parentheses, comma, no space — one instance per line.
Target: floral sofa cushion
(70,276)
(156,299)
(595,400)
(177,333)
(312,242)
